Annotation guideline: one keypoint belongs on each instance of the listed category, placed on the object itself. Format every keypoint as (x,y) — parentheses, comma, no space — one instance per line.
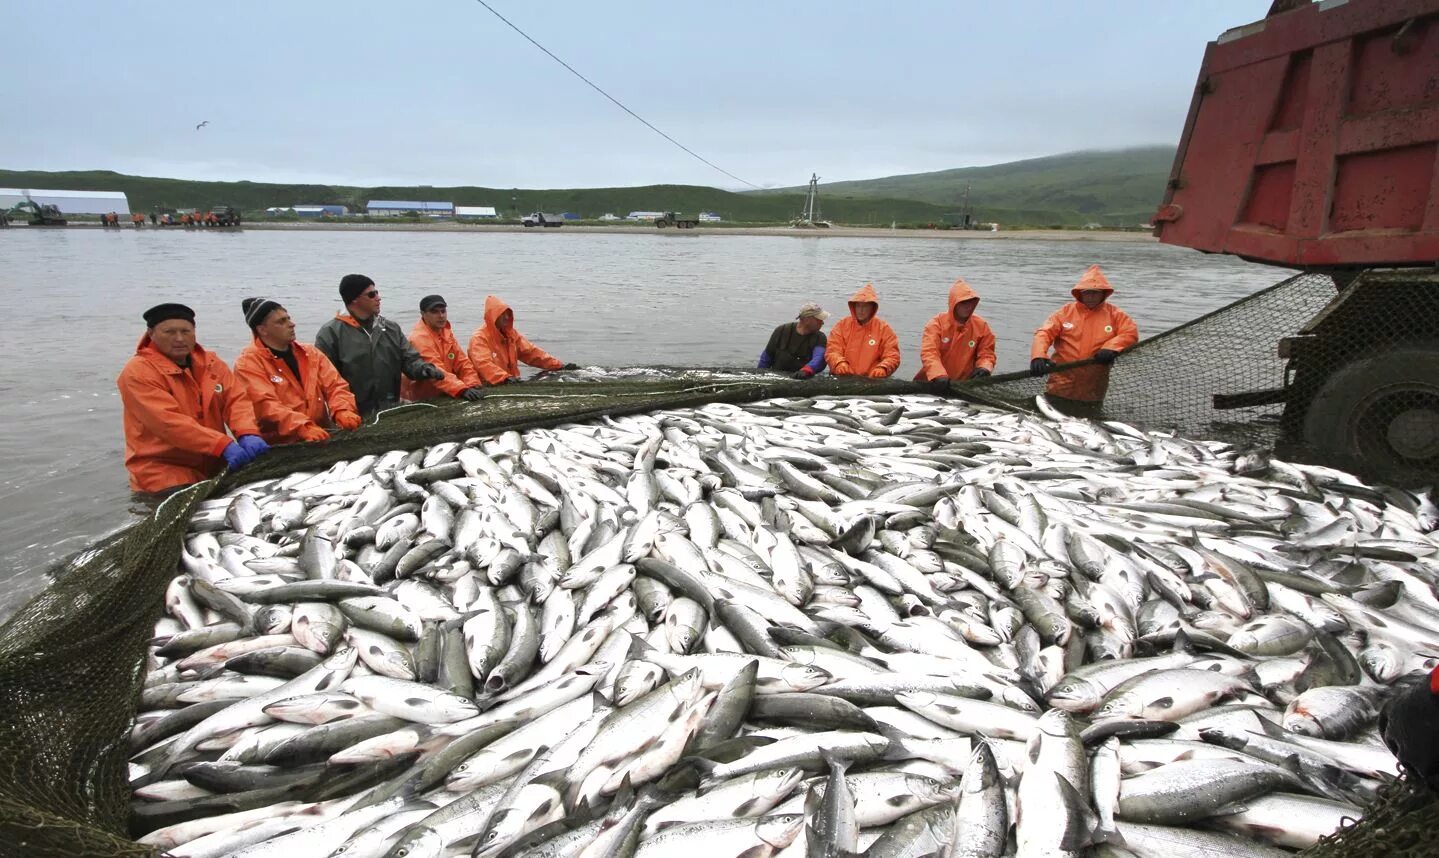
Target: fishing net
(73,660)
(1356,385)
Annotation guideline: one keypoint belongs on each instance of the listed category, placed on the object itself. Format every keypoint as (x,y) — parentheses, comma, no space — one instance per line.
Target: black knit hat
(165,312)
(429,302)
(353,285)
(257,310)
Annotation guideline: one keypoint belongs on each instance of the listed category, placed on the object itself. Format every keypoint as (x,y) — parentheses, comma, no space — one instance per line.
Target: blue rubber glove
(253,444)
(236,457)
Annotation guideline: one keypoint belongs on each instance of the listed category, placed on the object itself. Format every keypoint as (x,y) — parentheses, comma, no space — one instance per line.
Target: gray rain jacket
(371,359)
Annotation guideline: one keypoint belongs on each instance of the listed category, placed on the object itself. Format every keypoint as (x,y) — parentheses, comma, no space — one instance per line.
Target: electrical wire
(617,102)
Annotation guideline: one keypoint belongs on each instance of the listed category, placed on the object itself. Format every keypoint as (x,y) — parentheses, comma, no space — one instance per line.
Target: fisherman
(433,338)
(497,349)
(797,347)
(370,351)
(137,219)
(1089,328)
(178,400)
(154,221)
(957,345)
(294,388)
(862,343)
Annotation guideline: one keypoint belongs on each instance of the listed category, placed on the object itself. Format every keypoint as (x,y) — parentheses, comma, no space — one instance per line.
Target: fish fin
(1272,730)
(1083,834)
(1230,809)
(813,802)
(1182,643)
(554,779)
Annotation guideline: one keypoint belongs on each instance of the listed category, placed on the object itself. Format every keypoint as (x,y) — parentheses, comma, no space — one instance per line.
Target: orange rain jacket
(856,349)
(443,350)
(953,350)
(1076,332)
(496,356)
(284,404)
(175,417)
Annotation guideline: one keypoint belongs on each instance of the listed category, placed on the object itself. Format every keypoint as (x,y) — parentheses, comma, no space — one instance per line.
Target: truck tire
(1381,413)
(661,222)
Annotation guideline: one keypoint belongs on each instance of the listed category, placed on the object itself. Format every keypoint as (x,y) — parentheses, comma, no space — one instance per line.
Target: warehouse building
(69,202)
(322,211)
(399,208)
(475,212)
(644,215)
(710,217)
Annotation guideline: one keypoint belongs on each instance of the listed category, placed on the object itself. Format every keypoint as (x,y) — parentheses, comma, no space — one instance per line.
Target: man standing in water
(295,389)
(435,341)
(958,344)
(178,400)
(797,347)
(369,350)
(496,348)
(862,343)
(1090,327)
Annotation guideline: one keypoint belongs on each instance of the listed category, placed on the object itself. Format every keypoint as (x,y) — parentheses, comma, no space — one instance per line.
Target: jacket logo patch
(219,388)
(971,343)
(872,342)
(1067,325)
(452,355)
(1109,329)
(944,339)
(276,379)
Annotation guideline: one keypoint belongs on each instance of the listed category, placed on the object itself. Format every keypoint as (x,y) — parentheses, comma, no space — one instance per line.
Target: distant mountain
(1123,186)
(1119,188)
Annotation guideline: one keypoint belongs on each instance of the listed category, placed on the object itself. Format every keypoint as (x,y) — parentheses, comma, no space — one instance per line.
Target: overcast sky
(363,92)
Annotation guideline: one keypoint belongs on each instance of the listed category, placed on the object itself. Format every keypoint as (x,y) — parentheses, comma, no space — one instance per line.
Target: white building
(476,212)
(397,208)
(609,216)
(69,202)
(710,217)
(644,215)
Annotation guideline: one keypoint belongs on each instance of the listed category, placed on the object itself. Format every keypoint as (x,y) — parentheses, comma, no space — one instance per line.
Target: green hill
(1119,188)
(1123,186)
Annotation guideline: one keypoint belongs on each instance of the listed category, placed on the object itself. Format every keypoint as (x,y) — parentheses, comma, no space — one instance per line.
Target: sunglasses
(373,293)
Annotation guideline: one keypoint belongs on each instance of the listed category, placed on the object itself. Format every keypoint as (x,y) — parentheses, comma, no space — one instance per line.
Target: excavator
(37,214)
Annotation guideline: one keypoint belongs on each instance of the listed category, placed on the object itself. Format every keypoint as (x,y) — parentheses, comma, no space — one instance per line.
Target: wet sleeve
(816,360)
(834,353)
(265,402)
(930,356)
(428,349)
(1044,337)
(889,357)
(465,370)
(984,349)
(146,396)
(1126,333)
(410,361)
(535,356)
(337,393)
(239,412)
(489,371)
(766,357)
(328,343)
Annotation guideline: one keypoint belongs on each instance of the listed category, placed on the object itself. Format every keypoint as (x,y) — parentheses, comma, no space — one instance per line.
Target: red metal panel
(1313,139)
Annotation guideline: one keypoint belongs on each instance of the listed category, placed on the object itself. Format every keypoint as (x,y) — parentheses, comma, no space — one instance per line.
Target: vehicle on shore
(677,221)
(542,219)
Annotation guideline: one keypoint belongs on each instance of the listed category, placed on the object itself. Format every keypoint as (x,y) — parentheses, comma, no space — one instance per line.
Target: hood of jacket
(959,293)
(865,295)
(1092,278)
(494,309)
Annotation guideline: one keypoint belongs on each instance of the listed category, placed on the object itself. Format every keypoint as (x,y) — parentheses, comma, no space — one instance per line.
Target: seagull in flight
(202,125)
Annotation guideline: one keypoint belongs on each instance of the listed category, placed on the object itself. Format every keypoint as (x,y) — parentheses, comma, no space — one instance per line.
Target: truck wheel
(1382,411)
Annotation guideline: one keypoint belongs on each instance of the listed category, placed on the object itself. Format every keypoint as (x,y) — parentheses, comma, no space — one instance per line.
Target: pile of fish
(892,626)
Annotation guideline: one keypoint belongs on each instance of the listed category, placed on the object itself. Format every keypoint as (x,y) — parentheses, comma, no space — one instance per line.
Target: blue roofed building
(398,208)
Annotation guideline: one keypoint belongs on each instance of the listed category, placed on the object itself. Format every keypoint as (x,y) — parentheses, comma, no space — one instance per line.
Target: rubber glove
(431,372)
(470,394)
(514,379)
(878,372)
(311,432)
(980,372)
(804,372)
(1041,366)
(236,457)
(939,386)
(1106,355)
(570,366)
(347,419)
(253,444)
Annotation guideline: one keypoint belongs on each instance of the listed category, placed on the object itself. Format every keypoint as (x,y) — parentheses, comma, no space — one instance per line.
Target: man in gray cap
(797,347)
(369,350)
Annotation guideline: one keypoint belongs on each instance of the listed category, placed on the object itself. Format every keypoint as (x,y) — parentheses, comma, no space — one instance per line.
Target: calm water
(74,299)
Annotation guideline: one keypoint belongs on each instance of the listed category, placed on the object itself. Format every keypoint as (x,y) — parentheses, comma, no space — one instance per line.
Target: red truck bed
(1313,140)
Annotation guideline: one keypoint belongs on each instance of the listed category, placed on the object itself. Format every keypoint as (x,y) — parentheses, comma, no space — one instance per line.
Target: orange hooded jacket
(283,404)
(443,350)
(496,356)
(175,417)
(953,350)
(856,349)
(1076,332)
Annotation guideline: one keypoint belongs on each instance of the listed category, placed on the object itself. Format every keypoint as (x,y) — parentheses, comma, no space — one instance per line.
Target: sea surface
(73,300)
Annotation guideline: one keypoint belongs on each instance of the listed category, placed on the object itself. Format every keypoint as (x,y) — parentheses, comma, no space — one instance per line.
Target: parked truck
(1312,143)
(542,219)
(675,220)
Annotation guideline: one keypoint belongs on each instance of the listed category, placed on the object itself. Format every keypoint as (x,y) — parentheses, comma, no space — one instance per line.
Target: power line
(617,102)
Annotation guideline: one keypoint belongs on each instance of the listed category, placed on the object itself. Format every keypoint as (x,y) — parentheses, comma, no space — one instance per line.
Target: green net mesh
(72,661)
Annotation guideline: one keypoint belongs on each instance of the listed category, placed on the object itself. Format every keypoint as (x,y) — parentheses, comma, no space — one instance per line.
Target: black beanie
(257,310)
(165,312)
(430,301)
(353,285)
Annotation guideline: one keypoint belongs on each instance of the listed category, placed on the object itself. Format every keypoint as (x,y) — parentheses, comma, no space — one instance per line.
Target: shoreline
(601,229)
